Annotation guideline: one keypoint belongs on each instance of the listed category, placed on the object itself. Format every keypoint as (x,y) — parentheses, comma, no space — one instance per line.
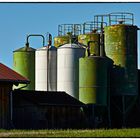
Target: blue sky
(19,19)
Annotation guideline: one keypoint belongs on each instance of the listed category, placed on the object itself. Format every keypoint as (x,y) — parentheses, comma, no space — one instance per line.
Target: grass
(69,133)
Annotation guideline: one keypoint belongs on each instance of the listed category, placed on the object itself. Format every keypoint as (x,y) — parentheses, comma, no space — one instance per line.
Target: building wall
(27,115)
(5,89)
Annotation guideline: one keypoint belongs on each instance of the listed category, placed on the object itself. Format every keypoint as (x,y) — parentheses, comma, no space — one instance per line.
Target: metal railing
(93,27)
(72,29)
(116,18)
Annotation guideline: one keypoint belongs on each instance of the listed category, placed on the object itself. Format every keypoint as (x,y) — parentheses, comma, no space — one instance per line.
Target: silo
(121,47)
(93,80)
(46,68)
(67,33)
(24,64)
(61,40)
(68,68)
(94,46)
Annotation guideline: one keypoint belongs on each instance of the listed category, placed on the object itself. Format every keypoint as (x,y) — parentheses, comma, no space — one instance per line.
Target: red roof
(9,75)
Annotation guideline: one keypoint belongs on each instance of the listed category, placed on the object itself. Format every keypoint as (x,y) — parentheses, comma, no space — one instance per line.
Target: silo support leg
(93,116)
(108,109)
(109,118)
(123,111)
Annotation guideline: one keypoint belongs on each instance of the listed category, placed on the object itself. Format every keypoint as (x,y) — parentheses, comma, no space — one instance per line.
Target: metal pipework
(49,39)
(80,44)
(102,49)
(88,47)
(27,39)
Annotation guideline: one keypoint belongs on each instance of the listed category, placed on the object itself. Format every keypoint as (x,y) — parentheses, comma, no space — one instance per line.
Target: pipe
(87,46)
(88,50)
(48,68)
(80,44)
(84,28)
(49,44)
(59,30)
(49,39)
(102,49)
(27,39)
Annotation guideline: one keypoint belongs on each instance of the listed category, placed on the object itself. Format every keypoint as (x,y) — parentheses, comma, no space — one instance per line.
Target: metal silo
(91,33)
(24,63)
(46,68)
(61,40)
(121,47)
(94,86)
(68,68)
(93,69)
(67,33)
(93,80)
(85,38)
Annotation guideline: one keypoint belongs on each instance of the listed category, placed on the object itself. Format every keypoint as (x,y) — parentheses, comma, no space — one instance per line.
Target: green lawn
(72,133)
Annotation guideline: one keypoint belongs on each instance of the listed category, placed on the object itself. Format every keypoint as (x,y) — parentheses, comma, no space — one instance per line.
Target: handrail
(28,36)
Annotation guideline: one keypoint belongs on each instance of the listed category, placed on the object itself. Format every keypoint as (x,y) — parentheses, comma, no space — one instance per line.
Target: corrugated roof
(45,98)
(9,75)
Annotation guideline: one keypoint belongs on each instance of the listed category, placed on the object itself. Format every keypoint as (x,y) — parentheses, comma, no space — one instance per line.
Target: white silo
(68,68)
(46,69)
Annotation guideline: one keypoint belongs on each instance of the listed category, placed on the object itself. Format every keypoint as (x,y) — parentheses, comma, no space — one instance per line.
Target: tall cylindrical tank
(121,47)
(94,46)
(68,68)
(93,80)
(61,40)
(46,69)
(24,63)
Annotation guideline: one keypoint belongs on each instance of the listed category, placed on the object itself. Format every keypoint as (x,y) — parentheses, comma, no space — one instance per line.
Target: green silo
(93,80)
(24,63)
(61,40)
(95,44)
(67,33)
(121,47)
